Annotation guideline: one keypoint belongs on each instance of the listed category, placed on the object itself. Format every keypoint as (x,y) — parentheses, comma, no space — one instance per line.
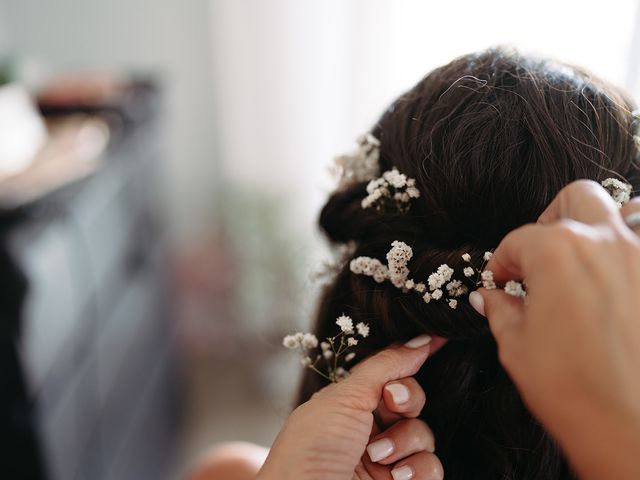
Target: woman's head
(490,139)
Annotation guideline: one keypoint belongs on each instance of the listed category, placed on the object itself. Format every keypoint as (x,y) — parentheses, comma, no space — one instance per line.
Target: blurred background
(162,165)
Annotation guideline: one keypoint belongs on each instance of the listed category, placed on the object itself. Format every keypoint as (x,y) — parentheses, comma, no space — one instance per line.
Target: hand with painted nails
(334,436)
(573,346)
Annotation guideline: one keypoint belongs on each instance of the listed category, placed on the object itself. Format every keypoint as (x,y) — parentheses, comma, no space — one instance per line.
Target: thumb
(504,313)
(368,378)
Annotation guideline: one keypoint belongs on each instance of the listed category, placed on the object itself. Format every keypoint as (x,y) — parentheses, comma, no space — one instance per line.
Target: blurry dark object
(72,152)
(109,94)
(95,345)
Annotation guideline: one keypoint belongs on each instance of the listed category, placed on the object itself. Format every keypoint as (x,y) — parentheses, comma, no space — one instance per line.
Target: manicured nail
(405,472)
(477,302)
(399,393)
(418,342)
(380,449)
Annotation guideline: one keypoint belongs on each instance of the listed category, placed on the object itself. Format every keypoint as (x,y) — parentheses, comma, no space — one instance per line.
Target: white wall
(168,36)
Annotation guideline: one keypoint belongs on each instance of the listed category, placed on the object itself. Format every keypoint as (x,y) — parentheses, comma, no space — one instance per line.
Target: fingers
(510,260)
(504,314)
(403,439)
(368,378)
(422,466)
(584,201)
(631,214)
(401,398)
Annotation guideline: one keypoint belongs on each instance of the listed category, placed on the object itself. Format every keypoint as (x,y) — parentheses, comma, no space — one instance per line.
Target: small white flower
(445,271)
(349,356)
(290,341)
(352,342)
(468,272)
(341,373)
(409,284)
(420,287)
(437,294)
(345,323)
(487,256)
(466,257)
(363,329)
(328,354)
(426,297)
(325,346)
(309,340)
(515,289)
(453,303)
(619,191)
(435,281)
(487,280)
(306,361)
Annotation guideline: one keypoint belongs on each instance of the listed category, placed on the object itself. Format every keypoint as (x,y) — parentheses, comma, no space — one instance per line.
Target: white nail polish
(380,449)
(418,342)
(399,393)
(477,302)
(405,472)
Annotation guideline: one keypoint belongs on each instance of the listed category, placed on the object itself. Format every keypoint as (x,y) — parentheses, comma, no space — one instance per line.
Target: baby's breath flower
(345,323)
(391,189)
(352,342)
(349,356)
(453,303)
(420,287)
(309,340)
(619,191)
(515,289)
(436,294)
(487,256)
(328,354)
(291,342)
(363,329)
(426,297)
(341,373)
(466,257)
(306,361)
(397,259)
(468,271)
(409,284)
(487,280)
(325,346)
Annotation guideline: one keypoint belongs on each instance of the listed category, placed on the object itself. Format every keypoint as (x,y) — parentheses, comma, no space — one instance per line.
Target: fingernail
(477,302)
(380,449)
(418,342)
(405,472)
(399,393)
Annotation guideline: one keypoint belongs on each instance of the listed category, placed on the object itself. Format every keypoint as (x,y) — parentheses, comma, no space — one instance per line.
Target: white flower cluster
(439,285)
(332,350)
(515,289)
(619,191)
(393,190)
(397,272)
(360,165)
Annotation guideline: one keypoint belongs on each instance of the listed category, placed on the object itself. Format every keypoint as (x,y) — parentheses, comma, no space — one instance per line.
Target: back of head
(490,139)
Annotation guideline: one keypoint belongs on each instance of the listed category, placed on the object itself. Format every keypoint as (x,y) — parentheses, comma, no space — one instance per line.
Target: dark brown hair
(490,138)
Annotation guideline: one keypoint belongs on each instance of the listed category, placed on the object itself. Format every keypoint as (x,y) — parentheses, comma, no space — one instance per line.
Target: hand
(326,437)
(573,347)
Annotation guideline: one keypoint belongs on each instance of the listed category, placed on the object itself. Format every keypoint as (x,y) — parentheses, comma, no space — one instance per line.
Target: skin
(572,349)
